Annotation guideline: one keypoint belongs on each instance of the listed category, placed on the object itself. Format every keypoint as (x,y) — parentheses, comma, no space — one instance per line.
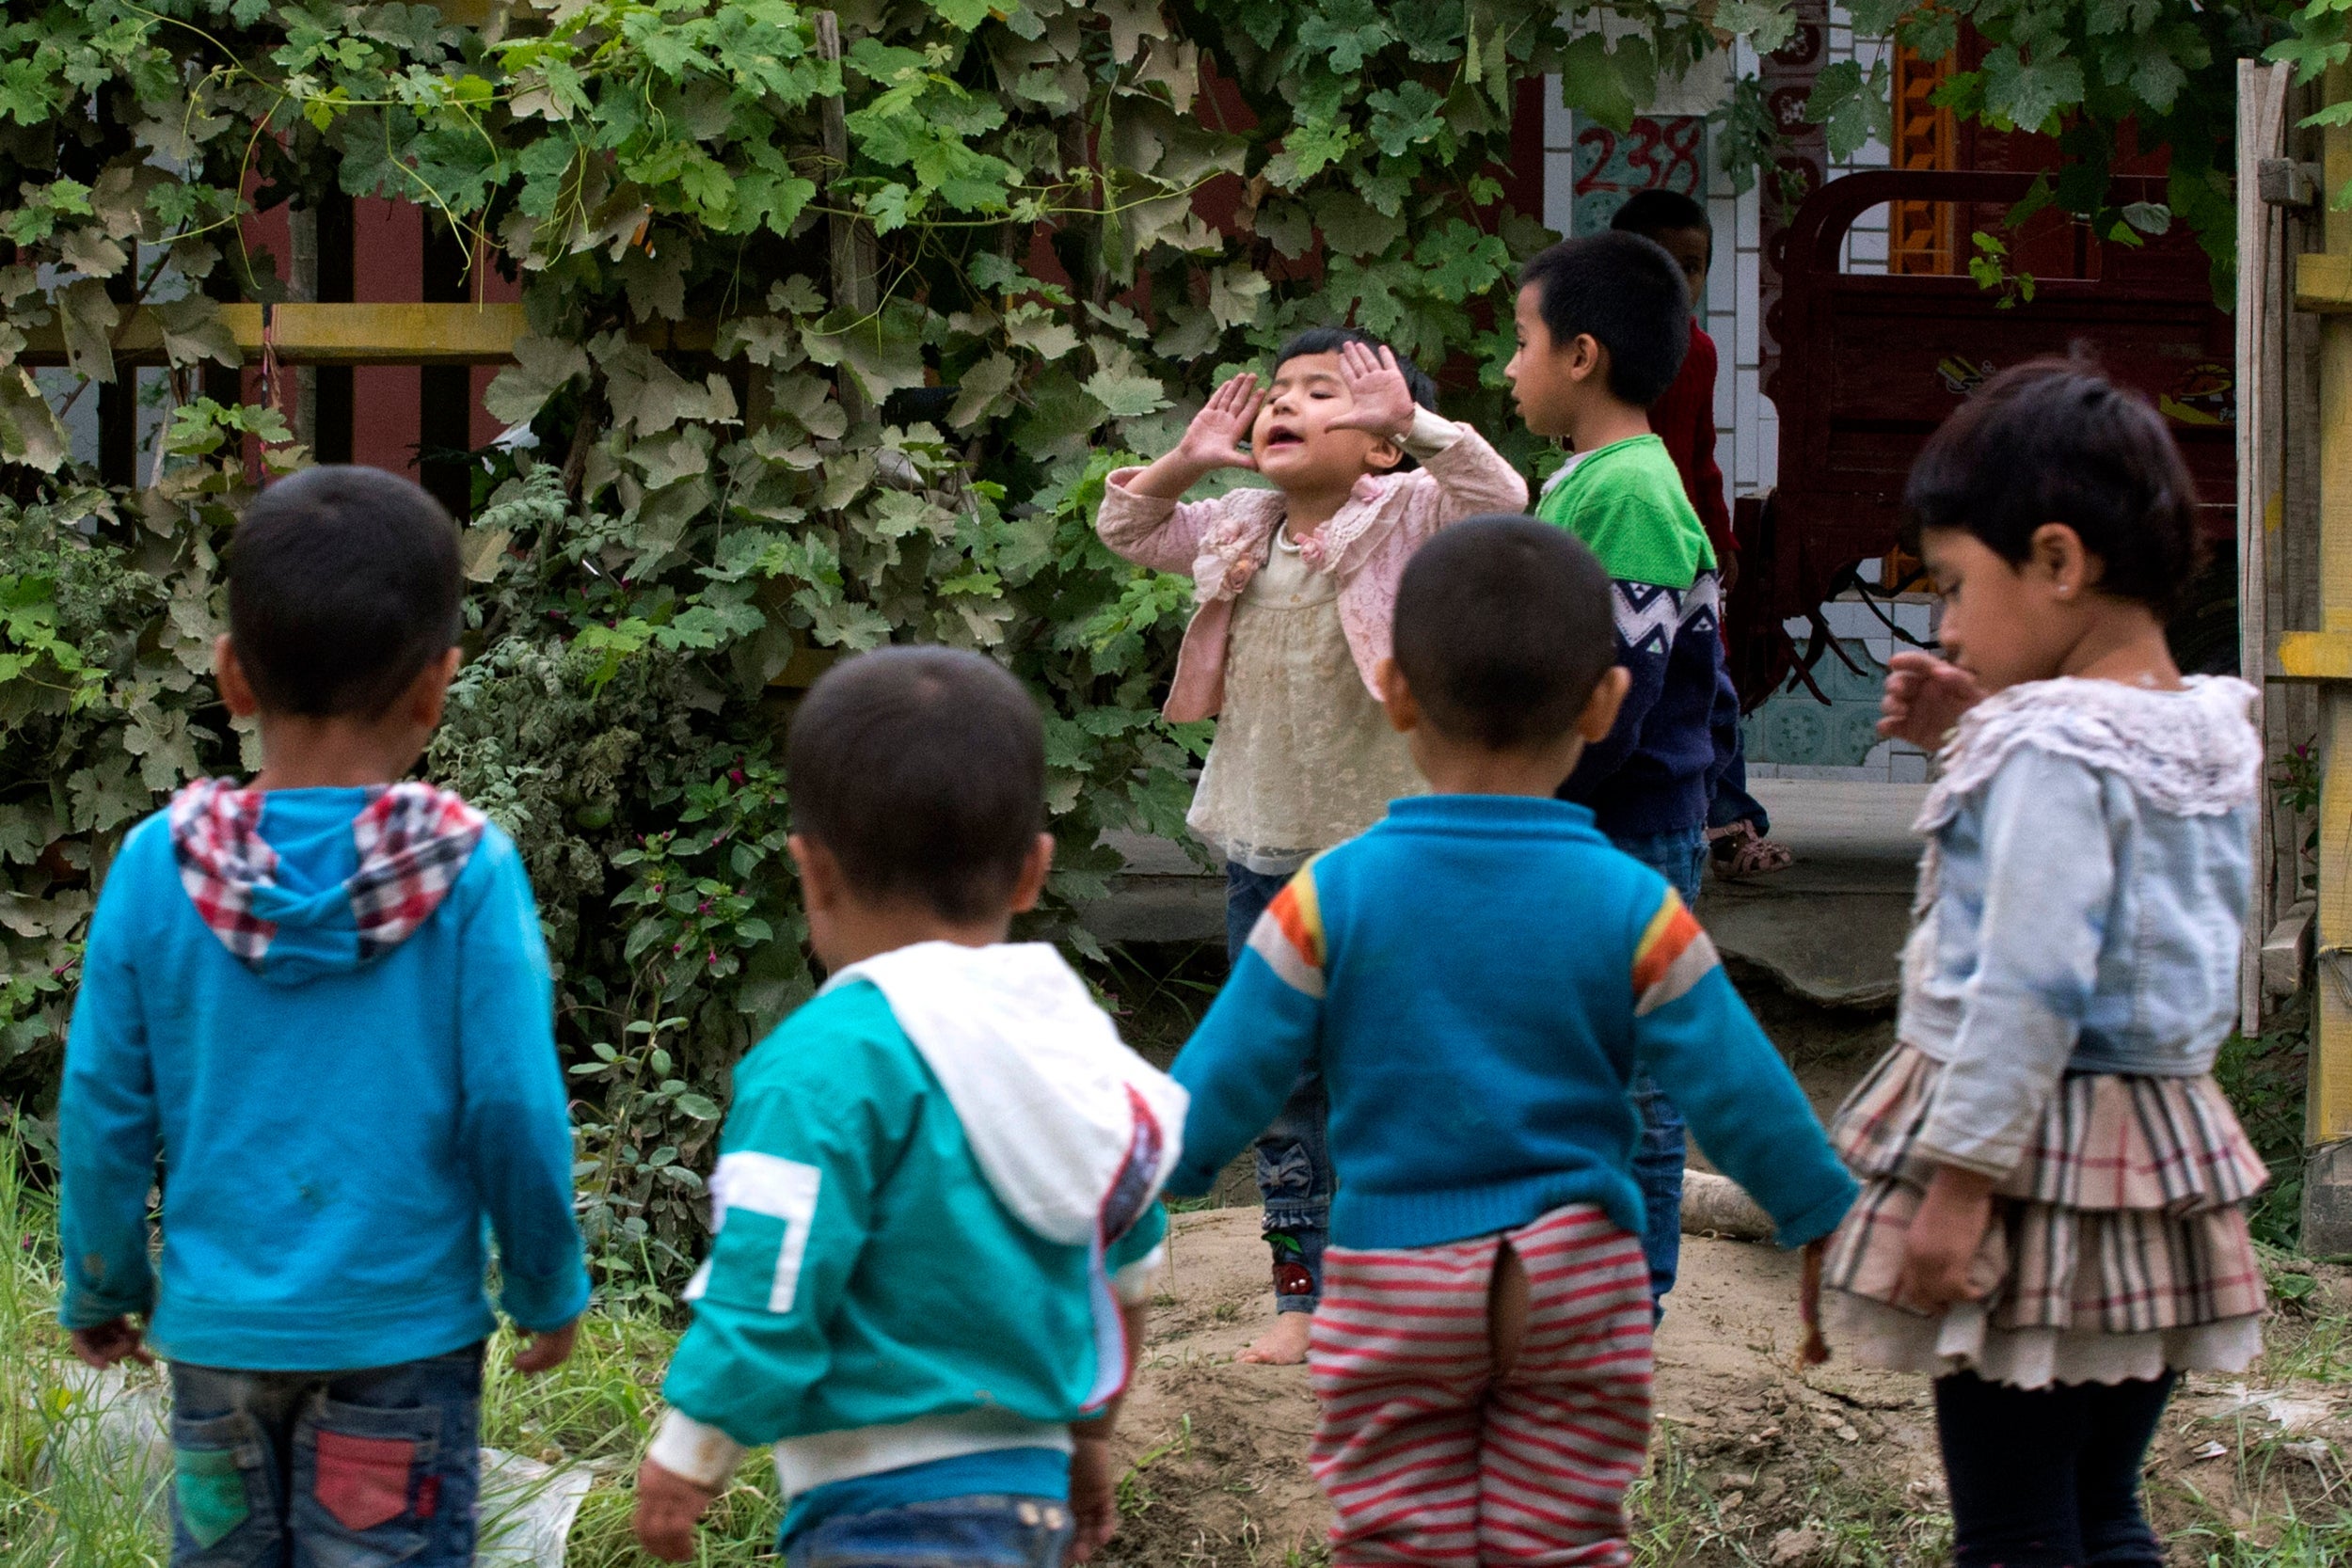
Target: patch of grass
(88,1511)
(1853,1520)
(92,1509)
(2266,1079)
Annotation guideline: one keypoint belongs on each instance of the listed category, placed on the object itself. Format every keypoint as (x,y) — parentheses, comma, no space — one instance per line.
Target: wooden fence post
(2327,1175)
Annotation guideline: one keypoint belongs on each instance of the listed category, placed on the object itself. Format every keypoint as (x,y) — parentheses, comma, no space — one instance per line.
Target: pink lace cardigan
(1223,542)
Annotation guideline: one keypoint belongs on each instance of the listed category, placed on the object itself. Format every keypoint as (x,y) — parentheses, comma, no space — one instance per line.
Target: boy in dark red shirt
(1684,418)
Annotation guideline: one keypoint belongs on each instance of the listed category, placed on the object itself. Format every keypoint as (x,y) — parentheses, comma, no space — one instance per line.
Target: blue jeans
(1293,1155)
(1731,802)
(1680,857)
(952,1532)
(351,1469)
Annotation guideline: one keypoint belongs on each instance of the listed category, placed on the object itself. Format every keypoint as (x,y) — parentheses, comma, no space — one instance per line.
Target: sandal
(1741,852)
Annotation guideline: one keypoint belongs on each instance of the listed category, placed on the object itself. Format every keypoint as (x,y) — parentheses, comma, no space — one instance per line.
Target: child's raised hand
(1384,403)
(1924,697)
(1215,437)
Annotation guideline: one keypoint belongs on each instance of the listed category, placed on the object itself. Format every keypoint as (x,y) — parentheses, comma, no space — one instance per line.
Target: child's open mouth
(1283,435)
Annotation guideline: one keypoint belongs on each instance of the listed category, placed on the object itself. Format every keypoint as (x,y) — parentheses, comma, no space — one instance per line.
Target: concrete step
(1830,928)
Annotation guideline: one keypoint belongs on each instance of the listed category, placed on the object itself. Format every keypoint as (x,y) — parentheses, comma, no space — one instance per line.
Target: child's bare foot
(1284,1344)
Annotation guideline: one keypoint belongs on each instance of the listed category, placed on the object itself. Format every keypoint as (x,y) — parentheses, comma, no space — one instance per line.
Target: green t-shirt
(1627,502)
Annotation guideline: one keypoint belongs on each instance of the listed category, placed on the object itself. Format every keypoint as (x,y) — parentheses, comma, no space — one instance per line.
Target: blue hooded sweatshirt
(333,1020)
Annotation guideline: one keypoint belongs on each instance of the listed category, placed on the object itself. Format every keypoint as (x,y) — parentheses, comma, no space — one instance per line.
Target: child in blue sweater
(1482,979)
(322,999)
(936,1207)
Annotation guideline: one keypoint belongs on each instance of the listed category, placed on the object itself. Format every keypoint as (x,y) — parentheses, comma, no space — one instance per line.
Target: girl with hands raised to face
(1296,578)
(2052,1222)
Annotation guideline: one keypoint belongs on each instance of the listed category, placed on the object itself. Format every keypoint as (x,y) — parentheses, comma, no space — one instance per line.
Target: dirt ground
(1753,1462)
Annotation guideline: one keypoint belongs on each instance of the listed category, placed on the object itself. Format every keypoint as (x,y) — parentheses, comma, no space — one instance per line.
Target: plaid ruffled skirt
(2119,1245)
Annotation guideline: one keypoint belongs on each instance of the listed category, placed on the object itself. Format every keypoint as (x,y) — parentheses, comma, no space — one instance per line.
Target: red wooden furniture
(1871,364)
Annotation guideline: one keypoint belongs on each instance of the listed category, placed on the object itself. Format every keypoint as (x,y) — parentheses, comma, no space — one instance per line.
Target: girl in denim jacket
(2052,1224)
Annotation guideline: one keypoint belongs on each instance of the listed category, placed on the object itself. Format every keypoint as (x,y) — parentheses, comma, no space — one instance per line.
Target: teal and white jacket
(937,1181)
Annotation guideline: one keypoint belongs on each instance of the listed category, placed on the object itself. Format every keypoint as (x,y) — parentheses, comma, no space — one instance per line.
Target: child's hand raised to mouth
(1214,440)
(1384,403)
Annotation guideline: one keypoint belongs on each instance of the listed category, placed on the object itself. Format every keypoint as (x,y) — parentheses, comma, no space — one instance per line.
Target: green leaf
(966,15)
(2029,94)
(1350,225)
(1404,116)
(1126,394)
(1589,83)
(543,366)
(1344,34)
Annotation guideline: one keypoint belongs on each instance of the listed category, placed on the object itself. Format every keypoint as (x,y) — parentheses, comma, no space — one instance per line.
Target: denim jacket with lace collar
(2082,899)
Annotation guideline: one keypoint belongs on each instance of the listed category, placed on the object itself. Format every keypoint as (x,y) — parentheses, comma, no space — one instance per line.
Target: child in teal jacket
(936,1203)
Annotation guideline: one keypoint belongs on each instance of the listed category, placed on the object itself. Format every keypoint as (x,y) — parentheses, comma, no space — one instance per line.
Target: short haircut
(1626,292)
(343,585)
(1330,340)
(1503,630)
(923,771)
(1653,213)
(2054,441)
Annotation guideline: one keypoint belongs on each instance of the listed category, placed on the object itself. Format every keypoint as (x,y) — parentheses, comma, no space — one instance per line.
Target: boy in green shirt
(935,1210)
(1603,323)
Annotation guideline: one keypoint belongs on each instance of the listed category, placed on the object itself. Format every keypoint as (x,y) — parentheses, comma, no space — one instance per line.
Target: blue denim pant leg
(1680,857)
(1732,802)
(351,1469)
(1293,1155)
(953,1532)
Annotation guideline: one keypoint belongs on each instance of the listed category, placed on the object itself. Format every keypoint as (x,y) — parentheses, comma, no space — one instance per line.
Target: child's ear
(236,692)
(1396,698)
(430,692)
(820,874)
(1587,359)
(1384,456)
(1600,709)
(1030,887)
(2057,551)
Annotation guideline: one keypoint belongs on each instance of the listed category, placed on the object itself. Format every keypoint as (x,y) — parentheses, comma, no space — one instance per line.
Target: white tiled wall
(1748,428)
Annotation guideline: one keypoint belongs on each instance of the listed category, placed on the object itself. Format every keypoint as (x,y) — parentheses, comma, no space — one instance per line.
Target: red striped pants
(1427,1455)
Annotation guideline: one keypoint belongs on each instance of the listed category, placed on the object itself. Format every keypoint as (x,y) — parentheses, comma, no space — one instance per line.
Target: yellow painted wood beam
(364,334)
(330,335)
(2331,1096)
(2314,656)
(2323,282)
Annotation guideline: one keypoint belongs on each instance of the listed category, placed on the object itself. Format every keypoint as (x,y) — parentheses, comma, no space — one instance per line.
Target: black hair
(343,585)
(1653,213)
(1503,630)
(2054,441)
(1626,292)
(923,771)
(1330,340)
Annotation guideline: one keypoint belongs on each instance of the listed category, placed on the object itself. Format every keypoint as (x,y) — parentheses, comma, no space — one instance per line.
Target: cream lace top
(1304,757)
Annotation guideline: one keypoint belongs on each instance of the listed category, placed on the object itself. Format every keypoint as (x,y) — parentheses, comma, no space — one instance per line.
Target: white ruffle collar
(2193,752)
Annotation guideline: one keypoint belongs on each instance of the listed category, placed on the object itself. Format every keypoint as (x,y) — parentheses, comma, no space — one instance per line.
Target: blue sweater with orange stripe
(1480,977)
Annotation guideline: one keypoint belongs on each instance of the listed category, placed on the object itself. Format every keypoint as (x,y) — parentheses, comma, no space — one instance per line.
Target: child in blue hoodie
(1484,982)
(936,1205)
(321,998)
